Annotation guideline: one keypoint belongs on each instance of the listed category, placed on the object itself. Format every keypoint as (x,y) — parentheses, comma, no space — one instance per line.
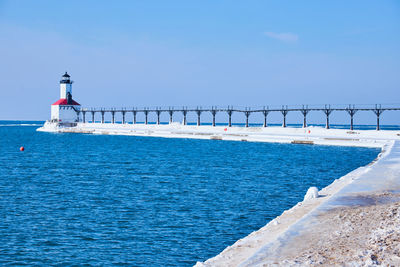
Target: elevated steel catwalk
(247,111)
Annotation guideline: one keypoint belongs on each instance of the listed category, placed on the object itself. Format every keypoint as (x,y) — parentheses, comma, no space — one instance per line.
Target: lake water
(144,201)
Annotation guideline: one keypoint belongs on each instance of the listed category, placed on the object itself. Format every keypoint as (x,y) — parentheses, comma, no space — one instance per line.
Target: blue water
(107,200)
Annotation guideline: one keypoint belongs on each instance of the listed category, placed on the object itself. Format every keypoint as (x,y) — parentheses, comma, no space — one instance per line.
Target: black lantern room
(65,78)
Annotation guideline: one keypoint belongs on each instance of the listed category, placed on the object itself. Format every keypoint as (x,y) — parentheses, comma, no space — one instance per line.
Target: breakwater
(309,135)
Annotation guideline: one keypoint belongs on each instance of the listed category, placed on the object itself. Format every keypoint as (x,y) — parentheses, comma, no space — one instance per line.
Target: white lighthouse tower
(64,111)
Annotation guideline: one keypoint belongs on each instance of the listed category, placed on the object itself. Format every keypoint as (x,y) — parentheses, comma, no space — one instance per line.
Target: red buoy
(22,148)
(225,129)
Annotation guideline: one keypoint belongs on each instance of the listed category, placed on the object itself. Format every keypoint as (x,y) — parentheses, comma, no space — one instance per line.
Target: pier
(326,110)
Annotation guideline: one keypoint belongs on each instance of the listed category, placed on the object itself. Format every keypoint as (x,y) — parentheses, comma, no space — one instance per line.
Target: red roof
(64,102)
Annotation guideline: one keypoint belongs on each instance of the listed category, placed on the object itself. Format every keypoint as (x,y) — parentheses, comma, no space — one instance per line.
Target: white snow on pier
(308,135)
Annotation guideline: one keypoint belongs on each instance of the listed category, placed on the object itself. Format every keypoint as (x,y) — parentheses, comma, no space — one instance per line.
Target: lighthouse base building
(65,110)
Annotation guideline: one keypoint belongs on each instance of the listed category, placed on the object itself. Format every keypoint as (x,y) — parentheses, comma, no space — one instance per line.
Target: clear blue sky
(247,53)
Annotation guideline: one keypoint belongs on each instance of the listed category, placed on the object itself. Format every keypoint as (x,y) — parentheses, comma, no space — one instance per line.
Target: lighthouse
(65,110)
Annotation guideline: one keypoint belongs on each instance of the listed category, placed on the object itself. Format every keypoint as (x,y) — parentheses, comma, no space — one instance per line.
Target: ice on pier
(312,193)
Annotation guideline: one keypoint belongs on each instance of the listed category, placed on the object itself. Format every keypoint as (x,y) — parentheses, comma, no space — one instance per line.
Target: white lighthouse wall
(64,89)
(64,114)
(55,112)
